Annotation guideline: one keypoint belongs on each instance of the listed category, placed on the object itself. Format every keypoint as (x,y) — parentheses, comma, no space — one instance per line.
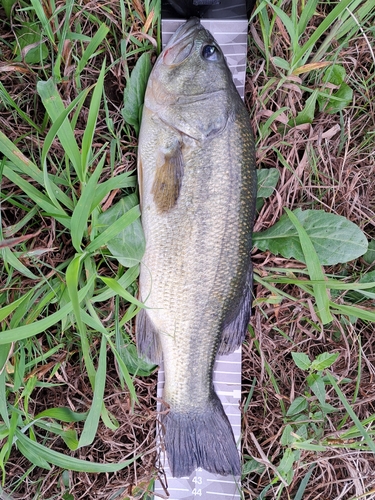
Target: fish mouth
(181,44)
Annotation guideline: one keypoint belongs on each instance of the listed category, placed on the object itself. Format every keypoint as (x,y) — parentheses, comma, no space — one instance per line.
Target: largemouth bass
(197,184)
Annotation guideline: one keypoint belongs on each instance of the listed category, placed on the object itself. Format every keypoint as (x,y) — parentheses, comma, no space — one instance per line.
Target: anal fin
(148,344)
(236,323)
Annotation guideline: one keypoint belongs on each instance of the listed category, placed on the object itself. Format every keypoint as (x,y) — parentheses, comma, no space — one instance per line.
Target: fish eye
(210,52)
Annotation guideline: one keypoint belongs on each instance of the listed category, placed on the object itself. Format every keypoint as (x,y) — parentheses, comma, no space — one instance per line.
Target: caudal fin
(201,439)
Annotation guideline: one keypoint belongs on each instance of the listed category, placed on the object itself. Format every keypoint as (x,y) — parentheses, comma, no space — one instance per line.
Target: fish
(197,185)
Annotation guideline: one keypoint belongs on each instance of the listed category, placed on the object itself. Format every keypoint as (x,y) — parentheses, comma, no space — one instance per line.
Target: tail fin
(201,439)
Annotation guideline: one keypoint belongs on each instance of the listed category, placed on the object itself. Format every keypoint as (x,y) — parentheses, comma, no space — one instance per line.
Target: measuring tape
(228,23)
(202,484)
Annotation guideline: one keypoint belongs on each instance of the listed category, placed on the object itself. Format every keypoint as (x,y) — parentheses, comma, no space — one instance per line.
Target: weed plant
(77,406)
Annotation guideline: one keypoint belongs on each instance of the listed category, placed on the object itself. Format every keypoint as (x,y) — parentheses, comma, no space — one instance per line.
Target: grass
(77,408)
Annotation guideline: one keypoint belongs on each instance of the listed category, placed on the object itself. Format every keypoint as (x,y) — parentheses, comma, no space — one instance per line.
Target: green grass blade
(301,56)
(26,166)
(36,196)
(72,280)
(84,207)
(315,270)
(92,46)
(366,437)
(26,331)
(62,36)
(11,260)
(287,21)
(19,160)
(91,425)
(39,11)
(63,414)
(86,150)
(9,308)
(3,398)
(120,181)
(31,449)
(125,373)
(126,280)
(354,311)
(7,100)
(68,435)
(55,108)
(306,15)
(119,290)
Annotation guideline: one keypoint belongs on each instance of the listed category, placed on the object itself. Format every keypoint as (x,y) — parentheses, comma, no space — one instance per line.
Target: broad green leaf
(285,468)
(135,90)
(334,74)
(30,45)
(267,180)
(335,238)
(317,385)
(36,452)
(301,360)
(298,406)
(114,229)
(324,360)
(129,245)
(340,98)
(369,256)
(286,437)
(7,6)
(280,63)
(307,115)
(135,364)
(252,467)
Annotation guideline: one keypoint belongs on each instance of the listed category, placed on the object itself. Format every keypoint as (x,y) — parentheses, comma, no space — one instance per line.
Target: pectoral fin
(168,177)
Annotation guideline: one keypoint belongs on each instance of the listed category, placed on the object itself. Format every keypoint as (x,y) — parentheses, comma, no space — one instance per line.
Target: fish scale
(197,190)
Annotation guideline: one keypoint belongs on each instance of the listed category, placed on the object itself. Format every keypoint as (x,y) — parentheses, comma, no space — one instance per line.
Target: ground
(326,161)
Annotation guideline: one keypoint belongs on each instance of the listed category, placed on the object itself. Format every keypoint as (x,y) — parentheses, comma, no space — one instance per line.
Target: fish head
(192,64)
